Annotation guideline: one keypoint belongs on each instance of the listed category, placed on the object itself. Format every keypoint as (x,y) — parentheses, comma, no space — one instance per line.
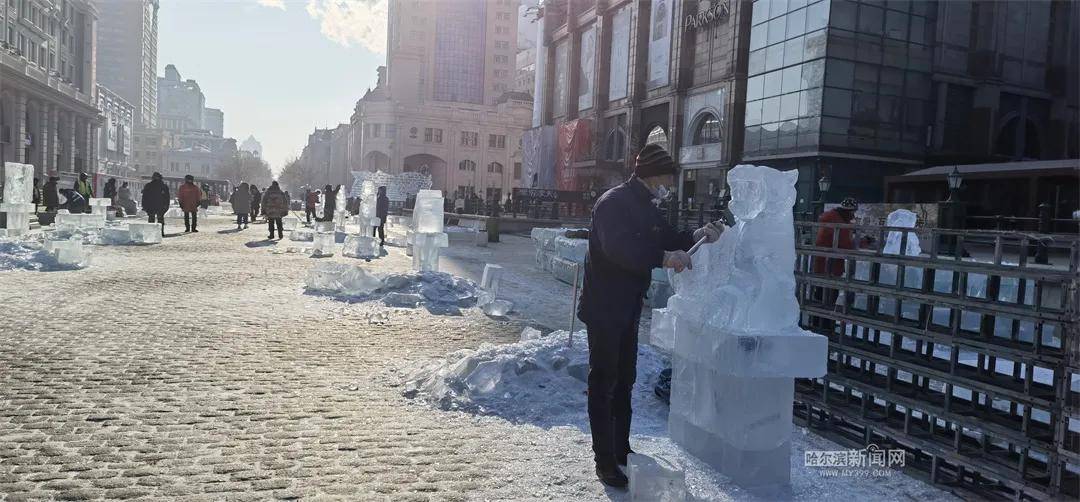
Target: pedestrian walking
(311,201)
(382,210)
(204,202)
(241,203)
(124,200)
(155,200)
(833,267)
(49,195)
(275,205)
(110,191)
(190,194)
(627,239)
(85,188)
(256,202)
(329,202)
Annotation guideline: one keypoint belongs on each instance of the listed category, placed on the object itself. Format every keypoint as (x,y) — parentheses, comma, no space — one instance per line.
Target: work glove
(677,261)
(711,232)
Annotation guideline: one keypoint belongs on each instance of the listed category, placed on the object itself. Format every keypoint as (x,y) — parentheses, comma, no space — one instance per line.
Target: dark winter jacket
(256,199)
(155,197)
(382,207)
(275,203)
(50,197)
(110,189)
(330,201)
(241,200)
(627,239)
(76,203)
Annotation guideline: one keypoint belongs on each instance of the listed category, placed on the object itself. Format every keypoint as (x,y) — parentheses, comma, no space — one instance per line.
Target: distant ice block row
(564,270)
(360,246)
(144,233)
(99,205)
(117,235)
(571,249)
(426,250)
(324,244)
(655,480)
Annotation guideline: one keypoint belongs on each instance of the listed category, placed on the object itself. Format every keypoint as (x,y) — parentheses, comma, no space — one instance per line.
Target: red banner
(574,142)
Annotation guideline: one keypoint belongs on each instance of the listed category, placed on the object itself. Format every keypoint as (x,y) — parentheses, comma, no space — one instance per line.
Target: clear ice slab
(324,243)
(426,248)
(428,212)
(360,246)
(68,252)
(491,278)
(654,480)
(144,233)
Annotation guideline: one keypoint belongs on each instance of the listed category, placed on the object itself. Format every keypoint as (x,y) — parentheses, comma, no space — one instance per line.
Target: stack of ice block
(18,201)
(99,205)
(145,233)
(323,243)
(738,346)
(427,235)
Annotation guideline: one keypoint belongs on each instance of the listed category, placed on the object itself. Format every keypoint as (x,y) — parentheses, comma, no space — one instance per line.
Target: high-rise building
(127,54)
(180,102)
(48,111)
(444,104)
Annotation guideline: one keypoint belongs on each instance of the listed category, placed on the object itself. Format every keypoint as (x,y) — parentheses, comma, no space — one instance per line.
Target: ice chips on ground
(28,254)
(342,279)
(433,289)
(655,480)
(497,308)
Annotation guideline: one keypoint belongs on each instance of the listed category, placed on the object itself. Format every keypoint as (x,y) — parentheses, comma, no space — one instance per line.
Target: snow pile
(539,380)
(28,254)
(438,292)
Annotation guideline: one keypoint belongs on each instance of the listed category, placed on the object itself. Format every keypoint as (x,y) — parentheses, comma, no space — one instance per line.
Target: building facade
(214,121)
(444,103)
(180,102)
(856,90)
(115,137)
(614,76)
(48,110)
(127,54)
(252,146)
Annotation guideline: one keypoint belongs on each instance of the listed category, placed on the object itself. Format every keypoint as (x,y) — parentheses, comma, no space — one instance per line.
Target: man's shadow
(229,231)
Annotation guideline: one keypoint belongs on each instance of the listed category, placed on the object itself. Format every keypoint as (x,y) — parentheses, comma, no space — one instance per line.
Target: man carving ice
(627,239)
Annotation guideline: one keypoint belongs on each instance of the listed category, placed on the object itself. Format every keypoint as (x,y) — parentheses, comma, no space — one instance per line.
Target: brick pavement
(196,370)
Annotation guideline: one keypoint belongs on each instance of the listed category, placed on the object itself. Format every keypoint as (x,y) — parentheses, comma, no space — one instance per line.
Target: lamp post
(954,179)
(824,184)
(954,210)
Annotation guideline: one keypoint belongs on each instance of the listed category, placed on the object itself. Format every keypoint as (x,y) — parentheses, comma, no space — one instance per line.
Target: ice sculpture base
(765,473)
(792,353)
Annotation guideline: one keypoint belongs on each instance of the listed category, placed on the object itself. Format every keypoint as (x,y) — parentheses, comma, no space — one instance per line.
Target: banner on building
(398,186)
(558,101)
(587,68)
(110,131)
(127,140)
(538,157)
(574,144)
(620,53)
(660,43)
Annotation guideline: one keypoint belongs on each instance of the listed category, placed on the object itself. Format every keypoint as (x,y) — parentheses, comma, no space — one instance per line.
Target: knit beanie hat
(653,160)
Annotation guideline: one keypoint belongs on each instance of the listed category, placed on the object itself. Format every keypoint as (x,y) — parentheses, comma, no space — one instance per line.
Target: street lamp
(824,184)
(955,179)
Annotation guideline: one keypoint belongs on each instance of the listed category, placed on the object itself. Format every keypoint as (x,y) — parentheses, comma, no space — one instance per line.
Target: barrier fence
(965,356)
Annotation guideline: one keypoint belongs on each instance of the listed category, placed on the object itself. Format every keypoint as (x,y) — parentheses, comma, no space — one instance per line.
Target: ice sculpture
(426,248)
(145,233)
(99,205)
(339,210)
(368,217)
(323,243)
(18,201)
(360,246)
(427,236)
(654,480)
(738,346)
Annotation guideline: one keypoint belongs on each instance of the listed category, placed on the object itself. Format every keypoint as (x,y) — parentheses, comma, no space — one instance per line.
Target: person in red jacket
(832,267)
(190,194)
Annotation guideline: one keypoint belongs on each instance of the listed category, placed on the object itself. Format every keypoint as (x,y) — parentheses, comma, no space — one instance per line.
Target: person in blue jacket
(628,238)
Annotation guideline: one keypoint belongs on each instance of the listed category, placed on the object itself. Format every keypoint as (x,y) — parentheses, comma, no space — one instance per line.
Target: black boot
(621,458)
(610,475)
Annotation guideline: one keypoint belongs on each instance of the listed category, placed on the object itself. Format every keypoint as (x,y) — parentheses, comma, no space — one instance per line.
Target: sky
(277,68)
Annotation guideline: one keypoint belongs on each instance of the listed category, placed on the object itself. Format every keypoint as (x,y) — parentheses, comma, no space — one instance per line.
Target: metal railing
(964,355)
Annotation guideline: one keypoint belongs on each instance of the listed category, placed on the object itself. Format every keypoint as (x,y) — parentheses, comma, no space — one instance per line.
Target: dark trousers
(270,222)
(612,369)
(254,213)
(241,219)
(310,212)
(160,218)
(193,216)
(380,230)
(827,297)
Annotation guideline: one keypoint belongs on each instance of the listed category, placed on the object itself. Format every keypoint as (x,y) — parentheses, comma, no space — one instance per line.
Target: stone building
(214,121)
(48,110)
(252,146)
(127,54)
(114,138)
(443,104)
(614,76)
(180,102)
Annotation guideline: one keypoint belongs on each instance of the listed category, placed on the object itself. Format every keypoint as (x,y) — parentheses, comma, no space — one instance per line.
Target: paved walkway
(197,370)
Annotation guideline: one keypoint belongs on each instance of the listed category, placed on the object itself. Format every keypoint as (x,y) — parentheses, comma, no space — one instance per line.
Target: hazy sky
(277,68)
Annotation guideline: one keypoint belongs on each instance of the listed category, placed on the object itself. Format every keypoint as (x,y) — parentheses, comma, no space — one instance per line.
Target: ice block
(323,244)
(145,233)
(360,246)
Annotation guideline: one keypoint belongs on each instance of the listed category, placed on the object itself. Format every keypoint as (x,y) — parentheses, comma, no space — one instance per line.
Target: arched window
(495,167)
(1006,141)
(467,165)
(657,136)
(615,145)
(707,130)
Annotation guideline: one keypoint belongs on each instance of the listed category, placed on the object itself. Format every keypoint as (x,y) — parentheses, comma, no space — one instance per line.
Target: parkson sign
(718,12)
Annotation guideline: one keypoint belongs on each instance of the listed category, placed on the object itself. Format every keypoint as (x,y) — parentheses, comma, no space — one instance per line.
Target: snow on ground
(28,254)
(541,383)
(438,292)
